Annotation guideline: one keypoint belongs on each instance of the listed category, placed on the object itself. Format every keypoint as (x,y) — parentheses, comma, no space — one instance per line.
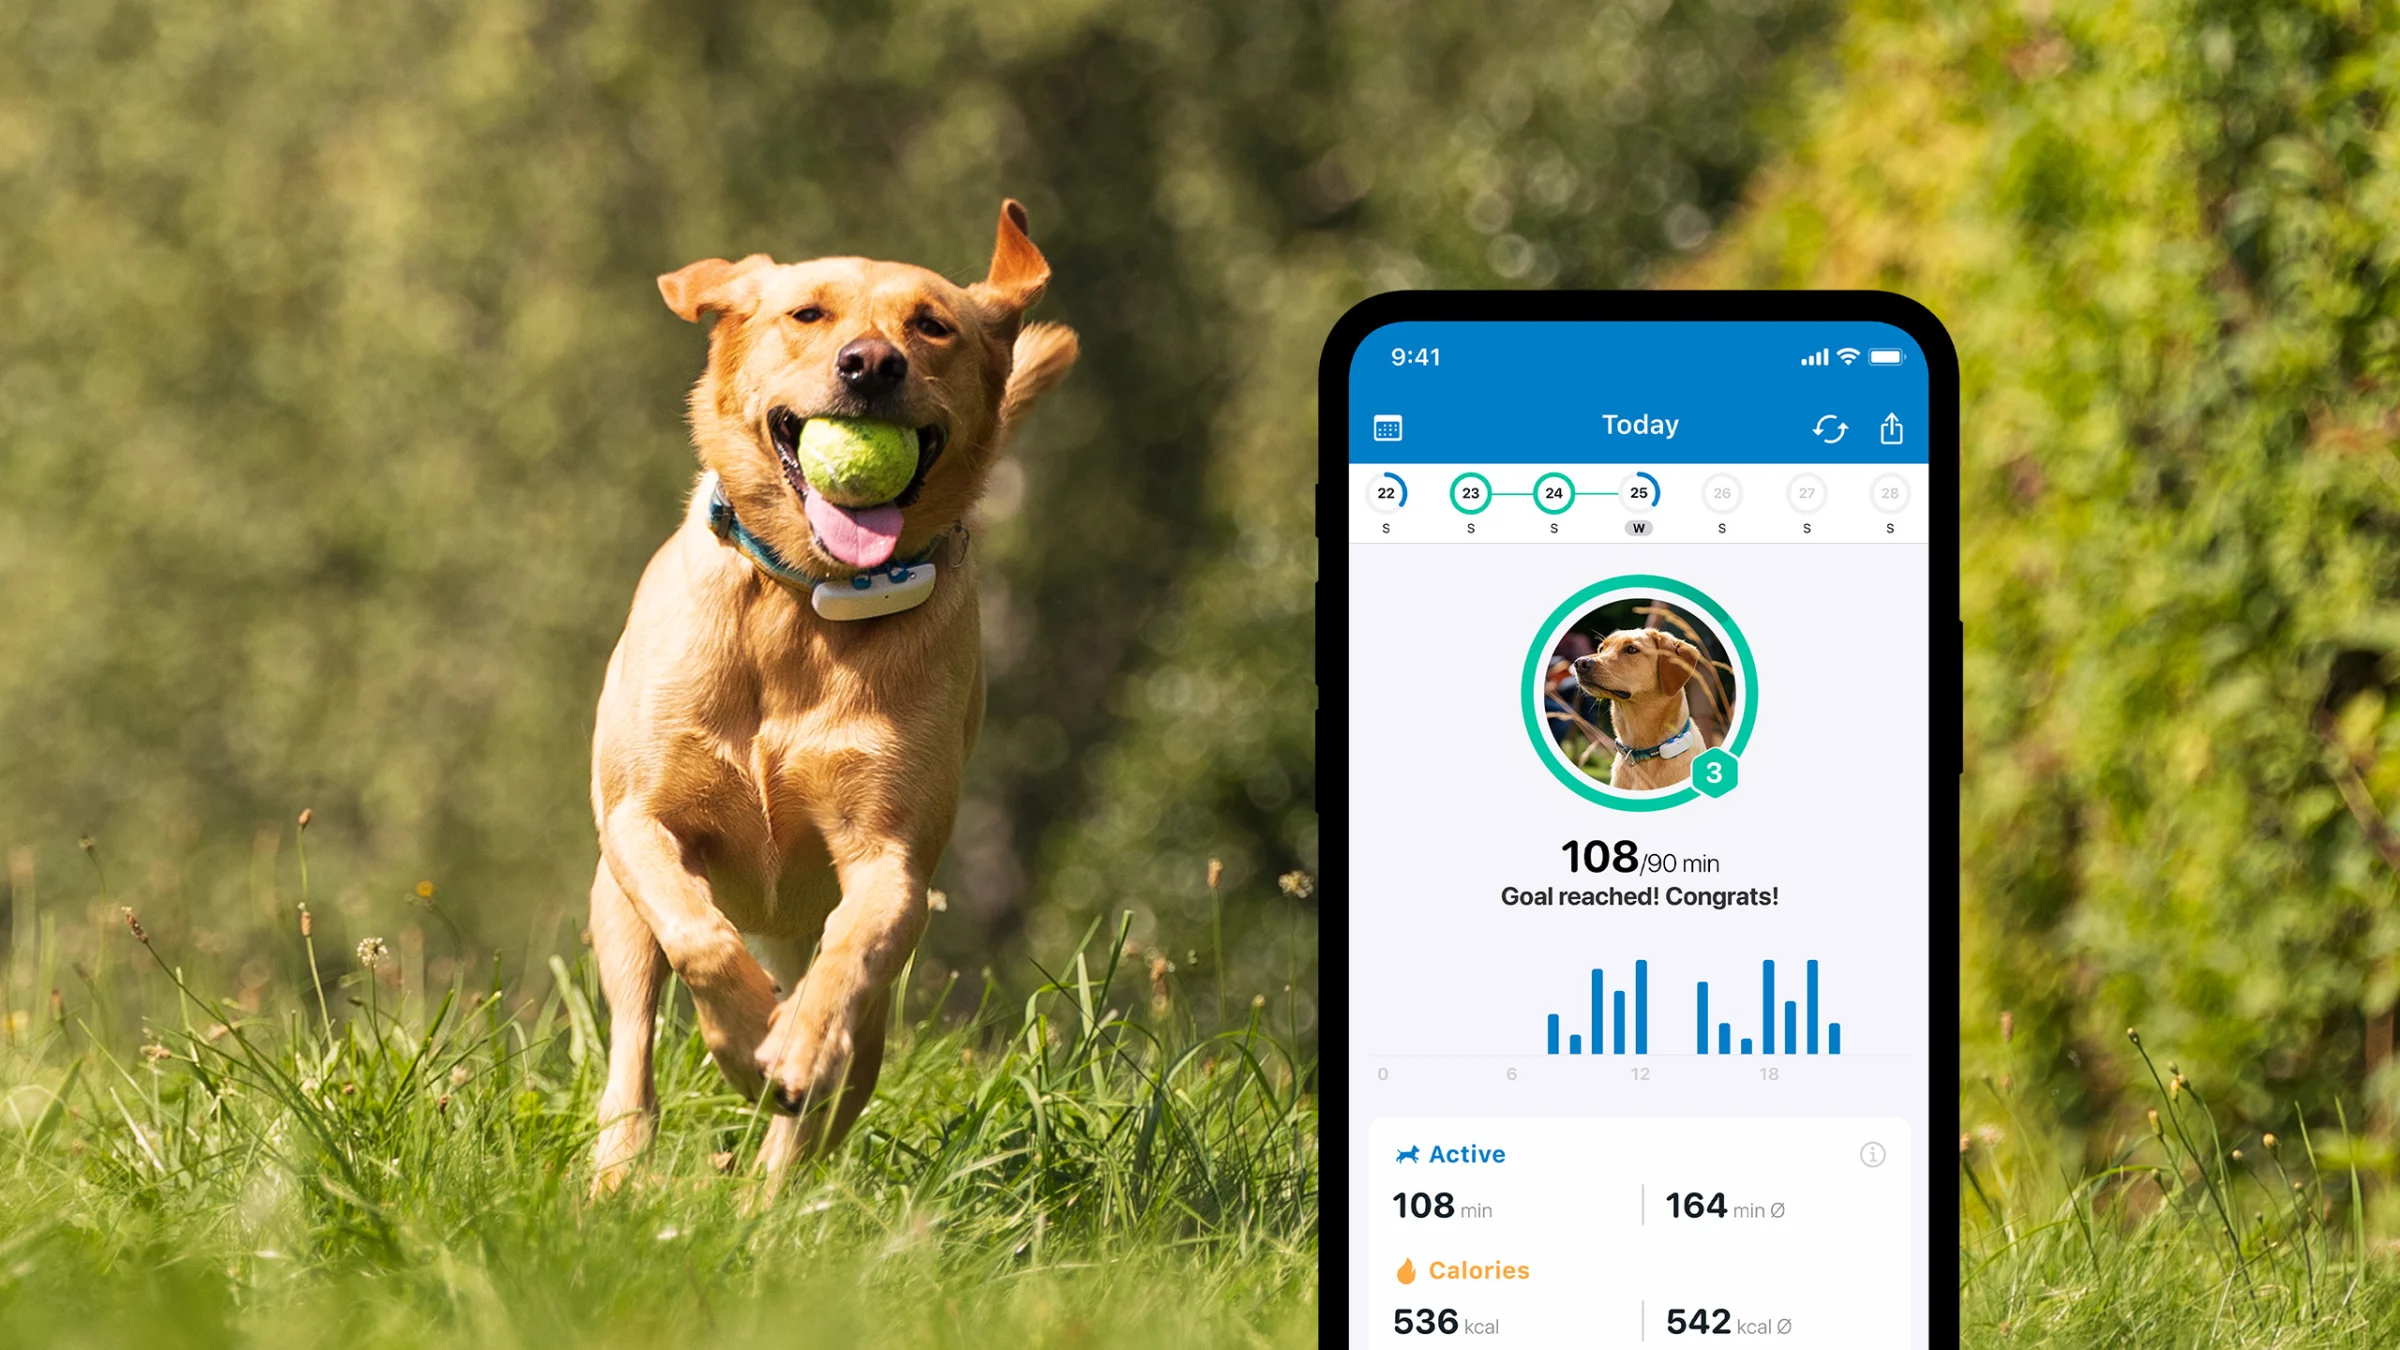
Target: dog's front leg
(664,878)
(790,1137)
(830,1029)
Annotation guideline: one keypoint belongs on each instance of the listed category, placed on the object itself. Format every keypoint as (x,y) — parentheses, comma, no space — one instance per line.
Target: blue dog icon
(1408,1154)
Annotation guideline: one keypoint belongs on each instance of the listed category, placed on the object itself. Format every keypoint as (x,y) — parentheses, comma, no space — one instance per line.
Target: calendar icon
(1387,426)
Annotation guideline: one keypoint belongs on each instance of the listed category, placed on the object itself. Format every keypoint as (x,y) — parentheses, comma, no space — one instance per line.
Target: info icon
(1716,771)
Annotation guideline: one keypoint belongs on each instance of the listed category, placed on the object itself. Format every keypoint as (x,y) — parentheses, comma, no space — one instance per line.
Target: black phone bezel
(1333,672)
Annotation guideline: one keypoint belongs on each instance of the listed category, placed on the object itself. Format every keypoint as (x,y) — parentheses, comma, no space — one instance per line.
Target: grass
(2188,1235)
(1085,1168)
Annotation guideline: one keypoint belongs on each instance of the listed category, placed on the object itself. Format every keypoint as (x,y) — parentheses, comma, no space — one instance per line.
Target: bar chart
(1606,1014)
(1795,1026)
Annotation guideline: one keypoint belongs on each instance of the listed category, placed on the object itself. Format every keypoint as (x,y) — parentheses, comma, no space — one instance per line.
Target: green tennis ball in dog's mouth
(857,462)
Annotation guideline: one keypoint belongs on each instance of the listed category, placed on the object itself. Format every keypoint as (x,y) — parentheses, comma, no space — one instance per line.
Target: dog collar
(1670,748)
(892,588)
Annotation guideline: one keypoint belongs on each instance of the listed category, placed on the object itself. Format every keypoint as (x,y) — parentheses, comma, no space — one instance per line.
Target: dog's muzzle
(1585,682)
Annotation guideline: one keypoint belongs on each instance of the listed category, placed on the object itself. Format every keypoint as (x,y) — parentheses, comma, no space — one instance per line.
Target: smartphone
(1628,655)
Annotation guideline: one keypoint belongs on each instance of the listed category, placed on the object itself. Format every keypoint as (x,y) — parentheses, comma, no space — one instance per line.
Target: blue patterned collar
(897,585)
(1672,747)
(727,526)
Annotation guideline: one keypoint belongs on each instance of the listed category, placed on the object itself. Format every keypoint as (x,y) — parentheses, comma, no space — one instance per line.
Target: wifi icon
(1848,355)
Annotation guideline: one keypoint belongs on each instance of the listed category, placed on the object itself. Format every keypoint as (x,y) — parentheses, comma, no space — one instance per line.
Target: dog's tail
(1045,352)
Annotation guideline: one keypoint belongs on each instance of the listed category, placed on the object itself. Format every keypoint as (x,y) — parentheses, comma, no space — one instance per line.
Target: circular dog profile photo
(1641,694)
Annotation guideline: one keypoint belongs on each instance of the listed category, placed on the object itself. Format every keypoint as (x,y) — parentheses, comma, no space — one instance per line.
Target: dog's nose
(871,367)
(786,1100)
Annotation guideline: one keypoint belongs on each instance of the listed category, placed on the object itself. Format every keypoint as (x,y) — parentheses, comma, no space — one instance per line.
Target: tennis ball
(856,462)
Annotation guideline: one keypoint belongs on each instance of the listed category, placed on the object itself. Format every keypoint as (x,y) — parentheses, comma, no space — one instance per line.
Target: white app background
(1807,1172)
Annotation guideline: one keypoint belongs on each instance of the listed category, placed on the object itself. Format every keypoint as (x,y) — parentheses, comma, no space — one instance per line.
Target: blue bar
(1745,1045)
(1554,1033)
(1704,1017)
(1670,371)
(1724,1038)
(1575,1044)
(1766,1015)
(1791,1025)
(1812,1007)
(1595,1012)
(1641,1008)
(1833,1038)
(1620,1047)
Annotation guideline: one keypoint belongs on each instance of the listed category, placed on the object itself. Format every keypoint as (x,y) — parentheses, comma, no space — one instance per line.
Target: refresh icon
(1839,431)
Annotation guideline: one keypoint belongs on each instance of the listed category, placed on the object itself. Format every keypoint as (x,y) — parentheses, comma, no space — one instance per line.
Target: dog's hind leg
(866,1065)
(632,970)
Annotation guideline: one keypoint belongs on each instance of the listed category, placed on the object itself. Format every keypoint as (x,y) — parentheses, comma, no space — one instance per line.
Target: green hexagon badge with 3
(1716,771)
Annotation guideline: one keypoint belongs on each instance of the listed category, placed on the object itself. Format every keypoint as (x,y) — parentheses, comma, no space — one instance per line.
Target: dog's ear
(711,286)
(1017,276)
(1677,659)
(1044,353)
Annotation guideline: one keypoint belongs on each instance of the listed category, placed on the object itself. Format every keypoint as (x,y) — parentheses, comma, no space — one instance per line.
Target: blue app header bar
(1660,393)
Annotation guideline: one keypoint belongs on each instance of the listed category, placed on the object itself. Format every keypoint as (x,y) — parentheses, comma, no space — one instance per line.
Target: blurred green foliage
(2163,235)
(338,411)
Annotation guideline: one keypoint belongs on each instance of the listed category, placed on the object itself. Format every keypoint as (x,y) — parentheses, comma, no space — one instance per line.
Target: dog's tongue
(859,536)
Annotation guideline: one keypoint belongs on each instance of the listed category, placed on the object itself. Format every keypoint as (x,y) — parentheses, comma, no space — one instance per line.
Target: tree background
(338,413)
(2163,235)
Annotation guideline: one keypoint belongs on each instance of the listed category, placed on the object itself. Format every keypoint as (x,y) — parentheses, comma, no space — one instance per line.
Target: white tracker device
(873,595)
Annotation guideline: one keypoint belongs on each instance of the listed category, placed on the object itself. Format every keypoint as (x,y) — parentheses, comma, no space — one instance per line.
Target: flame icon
(1408,1271)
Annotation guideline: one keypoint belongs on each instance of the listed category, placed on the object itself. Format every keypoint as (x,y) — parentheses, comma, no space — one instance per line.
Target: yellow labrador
(1641,672)
(780,740)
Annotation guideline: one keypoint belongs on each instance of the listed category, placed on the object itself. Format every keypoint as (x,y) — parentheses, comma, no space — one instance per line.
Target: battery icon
(1883,356)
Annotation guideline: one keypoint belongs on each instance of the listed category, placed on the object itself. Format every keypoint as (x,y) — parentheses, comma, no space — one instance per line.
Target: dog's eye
(809,314)
(930,326)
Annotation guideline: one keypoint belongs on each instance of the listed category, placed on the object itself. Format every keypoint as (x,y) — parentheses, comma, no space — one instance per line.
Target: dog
(764,772)
(1641,673)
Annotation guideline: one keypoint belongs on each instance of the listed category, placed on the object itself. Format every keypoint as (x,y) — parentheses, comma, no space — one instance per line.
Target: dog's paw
(733,1023)
(805,1058)
(734,1050)
(622,1142)
(788,1140)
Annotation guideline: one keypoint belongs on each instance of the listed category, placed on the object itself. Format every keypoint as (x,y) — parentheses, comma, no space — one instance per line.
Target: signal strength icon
(1823,356)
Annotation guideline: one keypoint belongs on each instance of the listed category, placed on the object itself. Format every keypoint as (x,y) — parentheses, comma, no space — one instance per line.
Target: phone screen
(1637,706)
